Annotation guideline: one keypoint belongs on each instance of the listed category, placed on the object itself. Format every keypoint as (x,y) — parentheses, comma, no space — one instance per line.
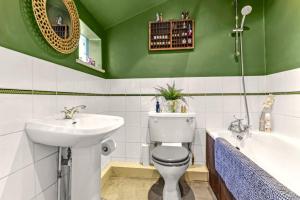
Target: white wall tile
(232,104)
(214,120)
(42,151)
(133,150)
(199,154)
(133,103)
(144,119)
(148,86)
(117,103)
(15,109)
(213,84)
(253,84)
(49,194)
(200,120)
(133,134)
(105,160)
(197,104)
(16,152)
(148,103)
(117,86)
(101,104)
(214,104)
(120,135)
(132,86)
(120,151)
(69,80)
(45,173)
(231,84)
(15,70)
(145,137)
(196,85)
(44,105)
(133,119)
(44,75)
(65,79)
(292,80)
(18,186)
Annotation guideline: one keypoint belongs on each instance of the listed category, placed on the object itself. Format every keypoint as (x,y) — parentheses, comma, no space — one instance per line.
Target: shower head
(245,11)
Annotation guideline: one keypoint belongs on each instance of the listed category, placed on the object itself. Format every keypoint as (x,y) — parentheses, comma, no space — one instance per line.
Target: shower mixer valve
(238,127)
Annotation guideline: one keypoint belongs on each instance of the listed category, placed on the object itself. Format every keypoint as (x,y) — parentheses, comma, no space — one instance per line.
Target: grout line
(33,163)
(44,190)
(48,156)
(14,172)
(44,92)
(14,132)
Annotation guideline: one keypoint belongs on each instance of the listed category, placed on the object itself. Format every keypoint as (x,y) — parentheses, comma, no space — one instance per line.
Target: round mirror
(58,21)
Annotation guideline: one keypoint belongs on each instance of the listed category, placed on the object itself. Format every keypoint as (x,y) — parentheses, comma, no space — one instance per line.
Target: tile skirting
(41,92)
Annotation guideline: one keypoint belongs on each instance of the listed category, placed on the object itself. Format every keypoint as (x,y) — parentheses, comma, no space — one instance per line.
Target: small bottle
(157,107)
(160,17)
(157,17)
(268,126)
(182,15)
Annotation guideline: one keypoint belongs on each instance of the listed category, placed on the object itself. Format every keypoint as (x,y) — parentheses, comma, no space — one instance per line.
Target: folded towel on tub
(245,179)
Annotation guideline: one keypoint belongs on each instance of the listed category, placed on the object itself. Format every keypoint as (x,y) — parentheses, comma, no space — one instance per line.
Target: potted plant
(172,96)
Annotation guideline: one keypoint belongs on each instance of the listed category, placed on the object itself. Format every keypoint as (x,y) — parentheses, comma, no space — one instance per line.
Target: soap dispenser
(157,107)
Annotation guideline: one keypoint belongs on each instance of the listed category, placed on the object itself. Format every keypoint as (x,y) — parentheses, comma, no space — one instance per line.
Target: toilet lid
(170,154)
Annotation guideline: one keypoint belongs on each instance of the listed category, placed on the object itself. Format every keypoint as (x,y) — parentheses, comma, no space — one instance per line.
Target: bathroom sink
(82,131)
(83,134)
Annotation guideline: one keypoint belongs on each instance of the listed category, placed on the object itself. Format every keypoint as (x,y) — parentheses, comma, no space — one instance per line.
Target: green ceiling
(109,13)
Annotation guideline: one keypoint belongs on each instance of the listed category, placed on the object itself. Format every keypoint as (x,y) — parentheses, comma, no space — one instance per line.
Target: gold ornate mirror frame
(65,46)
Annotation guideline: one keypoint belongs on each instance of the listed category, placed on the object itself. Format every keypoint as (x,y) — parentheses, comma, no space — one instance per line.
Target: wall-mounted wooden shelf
(61,30)
(171,35)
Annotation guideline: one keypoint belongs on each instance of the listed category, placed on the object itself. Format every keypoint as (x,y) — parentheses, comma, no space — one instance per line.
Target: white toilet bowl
(171,163)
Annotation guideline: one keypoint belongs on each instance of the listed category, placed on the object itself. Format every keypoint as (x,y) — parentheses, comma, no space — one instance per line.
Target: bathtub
(275,153)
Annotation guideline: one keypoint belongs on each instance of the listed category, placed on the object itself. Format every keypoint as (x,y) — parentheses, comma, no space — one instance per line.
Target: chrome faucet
(238,127)
(69,113)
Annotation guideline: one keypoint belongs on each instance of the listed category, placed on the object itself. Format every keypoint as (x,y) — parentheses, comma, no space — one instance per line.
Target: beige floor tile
(122,188)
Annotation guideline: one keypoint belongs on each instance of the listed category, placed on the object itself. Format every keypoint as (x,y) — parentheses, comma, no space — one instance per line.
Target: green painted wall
(282,35)
(17,33)
(127,54)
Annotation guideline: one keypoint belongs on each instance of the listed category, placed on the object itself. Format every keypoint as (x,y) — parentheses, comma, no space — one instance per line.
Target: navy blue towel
(245,179)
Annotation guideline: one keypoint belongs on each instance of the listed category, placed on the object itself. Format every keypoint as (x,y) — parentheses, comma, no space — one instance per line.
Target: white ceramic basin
(82,131)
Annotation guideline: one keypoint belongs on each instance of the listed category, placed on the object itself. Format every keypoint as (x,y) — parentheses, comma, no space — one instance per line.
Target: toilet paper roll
(145,157)
(107,147)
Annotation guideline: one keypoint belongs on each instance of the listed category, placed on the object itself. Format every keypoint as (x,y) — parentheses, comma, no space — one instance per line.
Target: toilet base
(156,191)
(171,191)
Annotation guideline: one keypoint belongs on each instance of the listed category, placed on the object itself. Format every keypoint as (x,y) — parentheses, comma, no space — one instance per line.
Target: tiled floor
(121,188)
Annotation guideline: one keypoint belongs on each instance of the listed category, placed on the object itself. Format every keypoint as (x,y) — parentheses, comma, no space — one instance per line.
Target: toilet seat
(170,156)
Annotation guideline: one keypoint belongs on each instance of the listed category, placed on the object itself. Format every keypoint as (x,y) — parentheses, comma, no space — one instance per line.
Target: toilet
(172,134)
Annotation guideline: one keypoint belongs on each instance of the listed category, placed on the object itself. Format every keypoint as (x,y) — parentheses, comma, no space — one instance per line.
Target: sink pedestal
(86,172)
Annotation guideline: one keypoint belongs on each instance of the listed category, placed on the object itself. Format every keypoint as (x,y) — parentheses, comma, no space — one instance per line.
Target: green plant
(170,93)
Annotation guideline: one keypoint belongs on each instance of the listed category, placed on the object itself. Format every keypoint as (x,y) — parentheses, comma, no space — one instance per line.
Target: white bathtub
(276,154)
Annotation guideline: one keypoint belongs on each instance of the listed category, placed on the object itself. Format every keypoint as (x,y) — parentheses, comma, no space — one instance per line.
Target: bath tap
(69,113)
(238,127)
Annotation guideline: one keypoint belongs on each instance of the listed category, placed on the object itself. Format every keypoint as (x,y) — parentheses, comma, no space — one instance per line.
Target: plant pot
(172,106)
